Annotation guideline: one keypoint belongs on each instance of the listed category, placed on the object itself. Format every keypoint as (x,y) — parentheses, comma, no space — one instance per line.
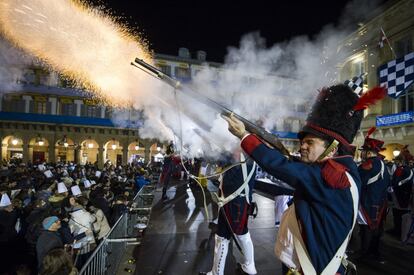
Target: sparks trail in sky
(83,43)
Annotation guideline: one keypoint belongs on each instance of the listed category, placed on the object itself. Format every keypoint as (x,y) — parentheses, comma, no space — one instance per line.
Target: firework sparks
(80,42)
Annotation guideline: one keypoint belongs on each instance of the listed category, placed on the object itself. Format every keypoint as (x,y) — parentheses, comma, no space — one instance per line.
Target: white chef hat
(62,188)
(76,190)
(5,200)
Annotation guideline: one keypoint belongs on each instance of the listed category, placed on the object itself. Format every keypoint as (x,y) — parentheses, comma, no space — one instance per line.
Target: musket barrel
(250,126)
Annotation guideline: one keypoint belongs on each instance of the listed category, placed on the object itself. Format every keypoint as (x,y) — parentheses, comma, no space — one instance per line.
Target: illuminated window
(165,69)
(40,107)
(182,72)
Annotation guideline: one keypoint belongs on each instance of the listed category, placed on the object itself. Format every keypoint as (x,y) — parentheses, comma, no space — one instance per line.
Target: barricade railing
(107,256)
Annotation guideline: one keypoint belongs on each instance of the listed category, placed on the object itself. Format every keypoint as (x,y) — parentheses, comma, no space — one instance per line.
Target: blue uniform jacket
(233,179)
(325,212)
(373,197)
(402,182)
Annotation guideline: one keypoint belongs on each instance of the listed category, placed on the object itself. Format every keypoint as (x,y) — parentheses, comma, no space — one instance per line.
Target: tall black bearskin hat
(337,114)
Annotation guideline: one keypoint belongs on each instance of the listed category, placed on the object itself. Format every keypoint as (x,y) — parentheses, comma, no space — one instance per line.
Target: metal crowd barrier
(108,254)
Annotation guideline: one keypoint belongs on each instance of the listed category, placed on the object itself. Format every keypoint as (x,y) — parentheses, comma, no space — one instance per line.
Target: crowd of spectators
(52,216)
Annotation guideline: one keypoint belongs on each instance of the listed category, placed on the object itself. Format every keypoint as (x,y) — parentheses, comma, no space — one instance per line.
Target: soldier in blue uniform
(167,170)
(316,228)
(402,189)
(373,200)
(234,201)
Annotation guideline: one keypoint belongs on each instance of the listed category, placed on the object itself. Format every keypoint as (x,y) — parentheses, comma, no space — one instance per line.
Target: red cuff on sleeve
(249,143)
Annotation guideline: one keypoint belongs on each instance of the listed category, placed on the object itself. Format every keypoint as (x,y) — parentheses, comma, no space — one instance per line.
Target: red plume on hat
(370,98)
(372,144)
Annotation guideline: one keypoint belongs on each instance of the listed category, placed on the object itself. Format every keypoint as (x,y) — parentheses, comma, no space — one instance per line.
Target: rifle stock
(250,126)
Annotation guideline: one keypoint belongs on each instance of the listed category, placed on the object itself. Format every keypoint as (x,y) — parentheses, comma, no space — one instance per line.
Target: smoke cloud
(13,62)
(265,85)
(268,85)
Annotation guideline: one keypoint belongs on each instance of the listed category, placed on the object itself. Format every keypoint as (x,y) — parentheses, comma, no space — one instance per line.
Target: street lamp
(113,146)
(90,145)
(396,152)
(136,147)
(41,142)
(15,141)
(65,144)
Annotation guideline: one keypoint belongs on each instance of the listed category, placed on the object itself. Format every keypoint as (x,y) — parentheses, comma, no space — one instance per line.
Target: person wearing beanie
(315,230)
(48,239)
(375,181)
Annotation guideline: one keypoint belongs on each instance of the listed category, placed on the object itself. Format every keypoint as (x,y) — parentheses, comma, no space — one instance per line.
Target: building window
(108,112)
(358,68)
(68,109)
(287,126)
(403,46)
(182,72)
(39,107)
(301,108)
(90,111)
(406,101)
(14,105)
(165,69)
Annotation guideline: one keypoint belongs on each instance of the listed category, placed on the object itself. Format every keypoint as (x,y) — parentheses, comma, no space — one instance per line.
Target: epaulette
(334,174)
(367,165)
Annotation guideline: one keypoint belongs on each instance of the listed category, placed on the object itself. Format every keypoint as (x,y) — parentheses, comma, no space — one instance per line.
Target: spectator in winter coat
(118,209)
(81,225)
(48,239)
(101,226)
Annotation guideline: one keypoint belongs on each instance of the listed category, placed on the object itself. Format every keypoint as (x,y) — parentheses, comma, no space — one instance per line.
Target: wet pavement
(178,240)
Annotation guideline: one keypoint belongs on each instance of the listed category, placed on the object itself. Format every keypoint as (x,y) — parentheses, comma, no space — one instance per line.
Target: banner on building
(395,119)
(397,75)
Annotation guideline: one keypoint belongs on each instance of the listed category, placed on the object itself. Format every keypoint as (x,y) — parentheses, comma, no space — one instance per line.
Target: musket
(250,126)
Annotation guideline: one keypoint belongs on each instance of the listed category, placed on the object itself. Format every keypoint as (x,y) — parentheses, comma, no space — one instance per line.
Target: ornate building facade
(392,117)
(46,120)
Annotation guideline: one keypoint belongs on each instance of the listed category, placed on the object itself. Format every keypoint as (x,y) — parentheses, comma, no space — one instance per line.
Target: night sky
(212,26)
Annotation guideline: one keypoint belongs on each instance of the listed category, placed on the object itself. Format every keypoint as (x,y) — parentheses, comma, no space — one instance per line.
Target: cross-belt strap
(377,176)
(300,247)
(244,171)
(406,179)
(221,201)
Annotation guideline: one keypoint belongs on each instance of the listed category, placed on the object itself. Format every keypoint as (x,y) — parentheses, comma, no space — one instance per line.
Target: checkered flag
(397,75)
(356,84)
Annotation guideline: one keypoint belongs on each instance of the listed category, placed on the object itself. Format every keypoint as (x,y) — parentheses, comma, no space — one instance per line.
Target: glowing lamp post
(15,141)
(396,153)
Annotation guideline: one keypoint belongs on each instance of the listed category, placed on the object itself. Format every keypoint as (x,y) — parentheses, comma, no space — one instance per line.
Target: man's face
(311,147)
(55,226)
(364,155)
(367,154)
